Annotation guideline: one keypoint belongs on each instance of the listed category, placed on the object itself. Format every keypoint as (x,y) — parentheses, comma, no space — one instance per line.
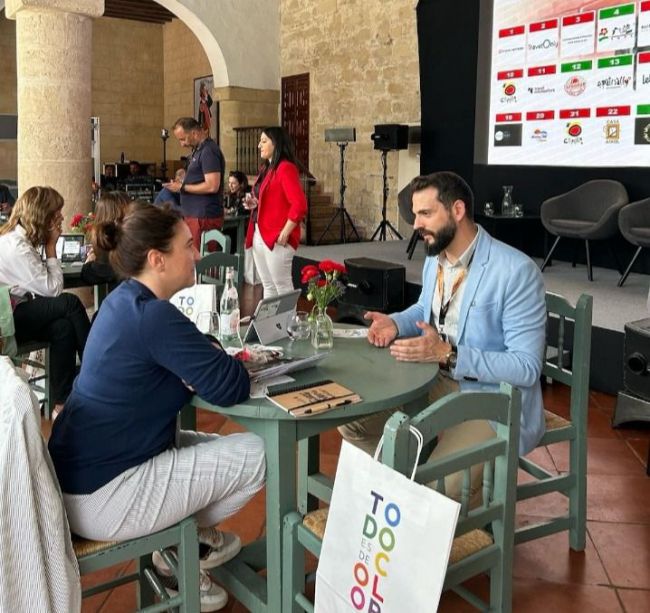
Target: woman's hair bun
(107,235)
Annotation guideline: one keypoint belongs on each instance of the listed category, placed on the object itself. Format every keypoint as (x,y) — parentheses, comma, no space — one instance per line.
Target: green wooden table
(381,381)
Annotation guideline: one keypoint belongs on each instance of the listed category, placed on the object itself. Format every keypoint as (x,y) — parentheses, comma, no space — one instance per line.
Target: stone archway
(240,38)
(241,41)
(245,69)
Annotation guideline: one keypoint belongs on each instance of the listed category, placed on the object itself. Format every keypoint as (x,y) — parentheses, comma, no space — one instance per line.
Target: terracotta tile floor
(611,575)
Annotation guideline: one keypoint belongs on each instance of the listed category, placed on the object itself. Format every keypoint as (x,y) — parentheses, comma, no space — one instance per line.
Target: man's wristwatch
(449,363)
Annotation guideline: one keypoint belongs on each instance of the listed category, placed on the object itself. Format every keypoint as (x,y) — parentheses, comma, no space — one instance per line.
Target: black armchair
(588,212)
(634,223)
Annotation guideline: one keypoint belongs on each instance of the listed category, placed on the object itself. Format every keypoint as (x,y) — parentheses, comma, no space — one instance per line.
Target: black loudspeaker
(374,285)
(391,136)
(636,376)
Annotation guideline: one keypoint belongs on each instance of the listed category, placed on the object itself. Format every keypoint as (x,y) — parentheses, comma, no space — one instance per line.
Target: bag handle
(420,439)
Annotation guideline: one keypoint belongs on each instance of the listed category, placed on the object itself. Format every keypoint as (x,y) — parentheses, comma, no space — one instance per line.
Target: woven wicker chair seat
(463,546)
(316,522)
(83,547)
(555,422)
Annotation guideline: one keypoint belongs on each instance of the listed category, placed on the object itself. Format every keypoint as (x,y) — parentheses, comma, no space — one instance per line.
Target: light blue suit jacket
(501,328)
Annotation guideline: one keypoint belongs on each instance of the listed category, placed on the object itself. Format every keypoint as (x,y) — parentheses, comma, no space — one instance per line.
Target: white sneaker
(217,547)
(212,596)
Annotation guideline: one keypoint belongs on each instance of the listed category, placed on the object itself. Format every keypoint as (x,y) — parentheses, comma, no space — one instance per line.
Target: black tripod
(164,135)
(341,211)
(381,228)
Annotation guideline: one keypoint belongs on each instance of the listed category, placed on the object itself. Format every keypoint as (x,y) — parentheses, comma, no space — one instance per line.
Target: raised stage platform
(613,306)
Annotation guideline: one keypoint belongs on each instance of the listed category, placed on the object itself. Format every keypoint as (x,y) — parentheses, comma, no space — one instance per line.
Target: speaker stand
(380,232)
(341,213)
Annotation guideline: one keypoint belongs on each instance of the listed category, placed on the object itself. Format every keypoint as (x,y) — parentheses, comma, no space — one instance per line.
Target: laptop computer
(69,248)
(269,322)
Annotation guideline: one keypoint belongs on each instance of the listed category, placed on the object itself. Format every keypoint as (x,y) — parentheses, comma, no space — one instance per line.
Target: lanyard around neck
(455,286)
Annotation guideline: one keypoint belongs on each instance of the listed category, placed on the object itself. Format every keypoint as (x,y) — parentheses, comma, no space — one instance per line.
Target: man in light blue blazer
(481,315)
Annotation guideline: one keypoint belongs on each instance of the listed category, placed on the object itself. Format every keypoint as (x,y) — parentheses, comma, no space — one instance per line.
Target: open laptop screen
(69,247)
(271,317)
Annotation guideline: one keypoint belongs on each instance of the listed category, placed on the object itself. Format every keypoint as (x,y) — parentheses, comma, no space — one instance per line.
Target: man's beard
(443,238)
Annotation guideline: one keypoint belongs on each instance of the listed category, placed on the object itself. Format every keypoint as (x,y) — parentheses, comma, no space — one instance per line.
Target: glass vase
(322,330)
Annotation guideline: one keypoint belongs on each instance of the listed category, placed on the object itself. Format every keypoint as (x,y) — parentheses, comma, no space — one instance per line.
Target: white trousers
(207,475)
(273,266)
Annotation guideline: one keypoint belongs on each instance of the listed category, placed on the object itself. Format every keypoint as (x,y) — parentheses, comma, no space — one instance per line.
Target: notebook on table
(311,398)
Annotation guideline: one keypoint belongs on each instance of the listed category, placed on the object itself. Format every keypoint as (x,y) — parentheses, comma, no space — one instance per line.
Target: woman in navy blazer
(280,205)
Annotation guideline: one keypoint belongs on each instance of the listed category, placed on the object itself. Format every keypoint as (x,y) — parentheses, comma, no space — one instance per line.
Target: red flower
(308,272)
(332,266)
(321,282)
(76,220)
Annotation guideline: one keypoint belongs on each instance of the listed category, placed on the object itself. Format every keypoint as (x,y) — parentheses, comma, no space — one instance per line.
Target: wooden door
(295,114)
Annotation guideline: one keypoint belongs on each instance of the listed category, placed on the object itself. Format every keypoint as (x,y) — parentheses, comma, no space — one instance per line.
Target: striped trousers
(205,475)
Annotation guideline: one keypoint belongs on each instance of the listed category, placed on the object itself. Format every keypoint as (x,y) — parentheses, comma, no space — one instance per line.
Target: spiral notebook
(311,398)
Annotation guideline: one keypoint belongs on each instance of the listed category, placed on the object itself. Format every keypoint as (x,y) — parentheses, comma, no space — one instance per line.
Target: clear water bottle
(507,207)
(229,312)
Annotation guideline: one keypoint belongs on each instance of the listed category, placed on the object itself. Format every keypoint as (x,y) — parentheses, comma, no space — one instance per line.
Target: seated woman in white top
(41,311)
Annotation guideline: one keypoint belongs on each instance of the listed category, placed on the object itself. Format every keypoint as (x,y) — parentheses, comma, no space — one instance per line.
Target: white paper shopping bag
(197,299)
(387,541)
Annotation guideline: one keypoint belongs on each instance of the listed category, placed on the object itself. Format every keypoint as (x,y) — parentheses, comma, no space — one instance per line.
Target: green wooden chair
(211,268)
(567,361)
(39,380)
(222,240)
(484,534)
(97,555)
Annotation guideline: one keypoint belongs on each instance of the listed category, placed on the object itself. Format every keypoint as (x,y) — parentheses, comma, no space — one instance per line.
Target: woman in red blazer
(280,203)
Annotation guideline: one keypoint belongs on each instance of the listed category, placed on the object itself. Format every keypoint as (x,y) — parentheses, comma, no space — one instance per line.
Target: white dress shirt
(450,272)
(23,270)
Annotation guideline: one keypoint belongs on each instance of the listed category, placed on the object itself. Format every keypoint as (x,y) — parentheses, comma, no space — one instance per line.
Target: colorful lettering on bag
(377,540)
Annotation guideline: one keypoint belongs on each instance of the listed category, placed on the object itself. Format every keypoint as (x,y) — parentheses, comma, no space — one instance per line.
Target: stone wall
(362,58)
(8,150)
(185,61)
(127,92)
(243,107)
(142,80)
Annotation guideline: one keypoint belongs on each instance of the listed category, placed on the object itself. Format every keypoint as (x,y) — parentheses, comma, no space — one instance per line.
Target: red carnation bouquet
(82,224)
(326,282)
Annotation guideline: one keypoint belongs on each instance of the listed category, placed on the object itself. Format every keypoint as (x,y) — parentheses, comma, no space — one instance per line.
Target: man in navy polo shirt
(202,190)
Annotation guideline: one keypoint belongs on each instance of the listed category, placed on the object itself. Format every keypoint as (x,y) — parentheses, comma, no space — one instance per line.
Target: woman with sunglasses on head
(42,311)
(279,205)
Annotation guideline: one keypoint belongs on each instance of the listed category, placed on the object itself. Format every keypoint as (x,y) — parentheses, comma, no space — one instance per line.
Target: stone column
(53,67)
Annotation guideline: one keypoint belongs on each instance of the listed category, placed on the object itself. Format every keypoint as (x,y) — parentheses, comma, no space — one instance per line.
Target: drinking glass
(488,209)
(519,210)
(299,328)
(208,323)
(250,202)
